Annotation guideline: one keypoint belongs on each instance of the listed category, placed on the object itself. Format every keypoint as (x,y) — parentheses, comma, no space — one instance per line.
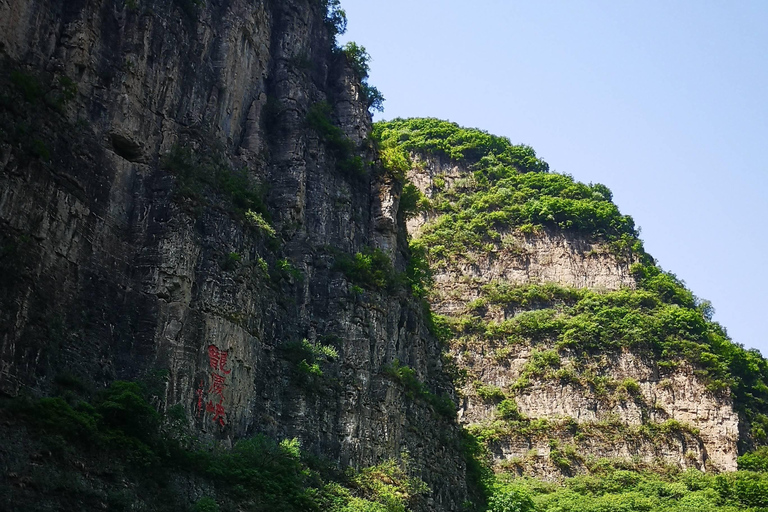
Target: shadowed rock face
(111,271)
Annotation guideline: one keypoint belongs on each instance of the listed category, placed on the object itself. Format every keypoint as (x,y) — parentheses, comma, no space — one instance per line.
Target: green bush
(507,410)
(258,221)
(388,483)
(358,59)
(412,201)
(489,392)
(343,149)
(755,461)
(370,269)
(204,173)
(206,504)
(335,17)
(508,187)
(307,358)
(453,141)
(511,500)
(665,320)
(284,269)
(628,491)
(258,473)
(418,275)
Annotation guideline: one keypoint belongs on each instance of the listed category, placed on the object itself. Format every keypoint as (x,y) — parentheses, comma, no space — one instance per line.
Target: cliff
(582,400)
(223,287)
(180,186)
(573,351)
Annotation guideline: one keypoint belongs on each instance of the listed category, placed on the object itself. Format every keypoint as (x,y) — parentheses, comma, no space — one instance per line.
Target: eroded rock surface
(113,273)
(579,411)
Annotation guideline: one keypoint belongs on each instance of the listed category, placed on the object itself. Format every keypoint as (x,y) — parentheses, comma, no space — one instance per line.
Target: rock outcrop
(119,261)
(668,417)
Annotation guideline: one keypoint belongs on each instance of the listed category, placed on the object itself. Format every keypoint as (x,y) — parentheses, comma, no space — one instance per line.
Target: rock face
(177,182)
(111,268)
(620,406)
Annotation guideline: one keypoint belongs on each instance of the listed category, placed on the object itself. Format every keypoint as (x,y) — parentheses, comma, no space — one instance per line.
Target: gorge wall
(128,250)
(193,197)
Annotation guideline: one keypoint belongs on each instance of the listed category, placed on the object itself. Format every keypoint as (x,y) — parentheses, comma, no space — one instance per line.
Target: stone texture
(111,274)
(663,395)
(567,260)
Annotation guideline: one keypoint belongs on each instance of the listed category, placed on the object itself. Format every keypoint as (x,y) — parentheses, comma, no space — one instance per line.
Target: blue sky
(665,102)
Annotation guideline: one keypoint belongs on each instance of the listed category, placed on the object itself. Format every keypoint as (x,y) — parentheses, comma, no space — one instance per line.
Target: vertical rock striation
(118,261)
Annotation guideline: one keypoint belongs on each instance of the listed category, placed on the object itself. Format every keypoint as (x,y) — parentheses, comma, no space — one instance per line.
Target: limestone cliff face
(576,411)
(109,272)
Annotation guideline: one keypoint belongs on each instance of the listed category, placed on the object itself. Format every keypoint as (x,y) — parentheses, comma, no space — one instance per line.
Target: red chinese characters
(217,359)
(218,412)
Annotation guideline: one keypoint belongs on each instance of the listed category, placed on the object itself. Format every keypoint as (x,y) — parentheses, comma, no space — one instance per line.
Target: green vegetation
(284,269)
(613,485)
(206,504)
(661,317)
(489,392)
(358,58)
(307,358)
(355,55)
(451,140)
(343,149)
(412,201)
(371,269)
(525,296)
(755,461)
(508,187)
(629,491)
(511,425)
(414,388)
(508,195)
(506,498)
(258,221)
(257,474)
(507,409)
(202,174)
(335,17)
(230,261)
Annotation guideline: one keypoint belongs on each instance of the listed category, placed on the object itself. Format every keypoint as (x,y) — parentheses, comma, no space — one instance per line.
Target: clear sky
(663,101)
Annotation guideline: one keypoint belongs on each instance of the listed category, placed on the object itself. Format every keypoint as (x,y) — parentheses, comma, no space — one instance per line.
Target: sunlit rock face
(593,422)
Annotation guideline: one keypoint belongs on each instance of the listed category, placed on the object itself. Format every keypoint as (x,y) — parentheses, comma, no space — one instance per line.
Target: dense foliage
(257,474)
(661,316)
(457,143)
(358,58)
(629,491)
(583,321)
(370,268)
(507,187)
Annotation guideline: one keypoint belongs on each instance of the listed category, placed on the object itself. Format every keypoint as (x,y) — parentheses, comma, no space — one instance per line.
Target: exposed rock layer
(114,274)
(708,425)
